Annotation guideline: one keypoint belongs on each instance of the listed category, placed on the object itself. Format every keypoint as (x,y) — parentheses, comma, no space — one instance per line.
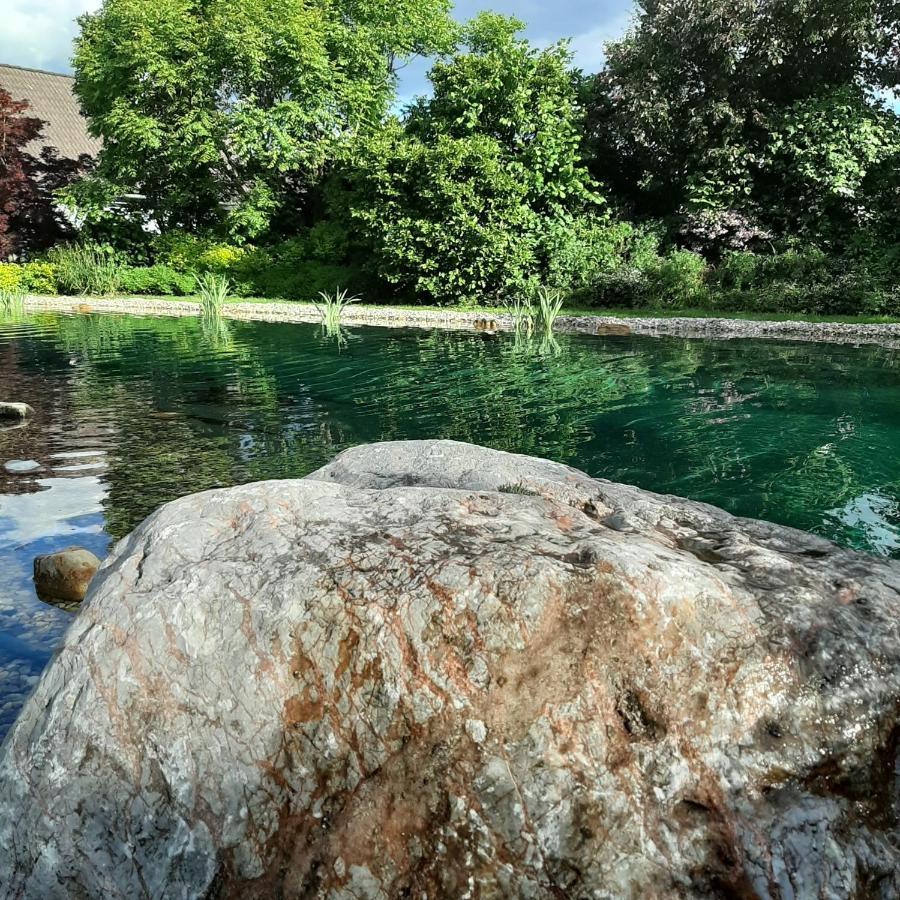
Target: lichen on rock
(393,678)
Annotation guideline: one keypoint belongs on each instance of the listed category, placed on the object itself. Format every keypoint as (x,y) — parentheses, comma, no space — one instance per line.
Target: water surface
(133,412)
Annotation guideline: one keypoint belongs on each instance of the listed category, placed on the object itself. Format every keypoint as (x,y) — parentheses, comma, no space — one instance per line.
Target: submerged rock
(15,410)
(63,577)
(394,679)
(22,466)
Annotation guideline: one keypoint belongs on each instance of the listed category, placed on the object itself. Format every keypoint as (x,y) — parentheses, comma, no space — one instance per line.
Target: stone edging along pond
(887,335)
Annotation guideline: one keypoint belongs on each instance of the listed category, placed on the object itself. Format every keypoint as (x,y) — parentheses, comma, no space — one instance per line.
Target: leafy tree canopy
(467,201)
(728,103)
(212,109)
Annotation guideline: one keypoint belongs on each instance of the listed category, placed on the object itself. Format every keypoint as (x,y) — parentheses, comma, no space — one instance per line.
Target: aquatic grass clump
(332,308)
(213,292)
(12,300)
(521,310)
(547,308)
(86,269)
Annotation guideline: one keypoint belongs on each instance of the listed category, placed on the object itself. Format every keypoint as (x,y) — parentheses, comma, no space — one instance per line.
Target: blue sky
(38,33)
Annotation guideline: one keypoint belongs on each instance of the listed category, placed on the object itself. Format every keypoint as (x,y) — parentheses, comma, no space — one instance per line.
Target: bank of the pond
(836,331)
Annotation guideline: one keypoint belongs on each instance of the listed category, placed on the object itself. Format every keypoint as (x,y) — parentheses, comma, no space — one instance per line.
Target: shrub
(616,267)
(304,281)
(678,279)
(803,279)
(218,258)
(85,269)
(327,242)
(186,252)
(157,279)
(449,221)
(10,276)
(39,277)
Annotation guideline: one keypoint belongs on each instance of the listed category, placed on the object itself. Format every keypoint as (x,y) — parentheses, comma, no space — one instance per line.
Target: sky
(38,33)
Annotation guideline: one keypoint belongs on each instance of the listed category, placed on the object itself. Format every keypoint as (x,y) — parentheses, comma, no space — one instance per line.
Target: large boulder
(435,670)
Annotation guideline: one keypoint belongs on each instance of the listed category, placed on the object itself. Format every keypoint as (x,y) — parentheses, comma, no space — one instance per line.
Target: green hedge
(156,280)
(606,265)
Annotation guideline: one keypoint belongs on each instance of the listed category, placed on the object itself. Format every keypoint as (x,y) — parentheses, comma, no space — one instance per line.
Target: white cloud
(39,33)
(587,47)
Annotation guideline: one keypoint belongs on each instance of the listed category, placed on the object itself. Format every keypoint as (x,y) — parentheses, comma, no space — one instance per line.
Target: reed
(213,291)
(332,308)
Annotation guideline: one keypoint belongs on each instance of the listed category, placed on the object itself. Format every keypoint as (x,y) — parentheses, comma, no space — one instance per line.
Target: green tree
(465,201)
(831,156)
(700,102)
(227,113)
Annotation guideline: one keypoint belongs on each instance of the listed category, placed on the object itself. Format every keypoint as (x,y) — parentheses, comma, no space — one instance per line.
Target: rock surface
(16,411)
(63,577)
(435,670)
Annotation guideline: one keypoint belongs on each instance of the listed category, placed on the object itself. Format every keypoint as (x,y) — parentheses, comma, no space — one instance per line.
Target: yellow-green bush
(219,258)
(192,253)
(31,278)
(10,276)
(39,278)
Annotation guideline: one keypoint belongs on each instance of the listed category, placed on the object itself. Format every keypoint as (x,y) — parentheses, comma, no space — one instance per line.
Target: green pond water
(133,412)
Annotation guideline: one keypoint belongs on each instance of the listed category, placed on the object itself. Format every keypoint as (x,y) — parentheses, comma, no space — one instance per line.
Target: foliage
(213,292)
(157,280)
(38,277)
(447,220)
(678,279)
(11,298)
(717,231)
(10,276)
(17,130)
(186,252)
(730,104)
(804,279)
(85,269)
(224,114)
(745,145)
(464,202)
(828,155)
(31,278)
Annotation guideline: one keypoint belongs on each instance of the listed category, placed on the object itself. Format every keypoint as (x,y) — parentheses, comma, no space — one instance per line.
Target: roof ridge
(39,71)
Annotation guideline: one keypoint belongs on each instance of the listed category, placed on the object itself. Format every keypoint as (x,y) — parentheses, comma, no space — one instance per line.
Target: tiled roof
(51,99)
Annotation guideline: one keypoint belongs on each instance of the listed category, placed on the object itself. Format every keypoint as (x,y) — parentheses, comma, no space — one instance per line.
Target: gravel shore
(719,329)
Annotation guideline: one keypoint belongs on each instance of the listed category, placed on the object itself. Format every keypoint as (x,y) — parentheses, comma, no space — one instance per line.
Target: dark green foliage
(805,280)
(764,107)
(302,282)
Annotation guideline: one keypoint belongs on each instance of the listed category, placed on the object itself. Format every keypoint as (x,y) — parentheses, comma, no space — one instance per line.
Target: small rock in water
(22,466)
(63,577)
(15,410)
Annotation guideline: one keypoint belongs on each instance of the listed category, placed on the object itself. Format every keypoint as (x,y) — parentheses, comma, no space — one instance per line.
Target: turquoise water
(133,412)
